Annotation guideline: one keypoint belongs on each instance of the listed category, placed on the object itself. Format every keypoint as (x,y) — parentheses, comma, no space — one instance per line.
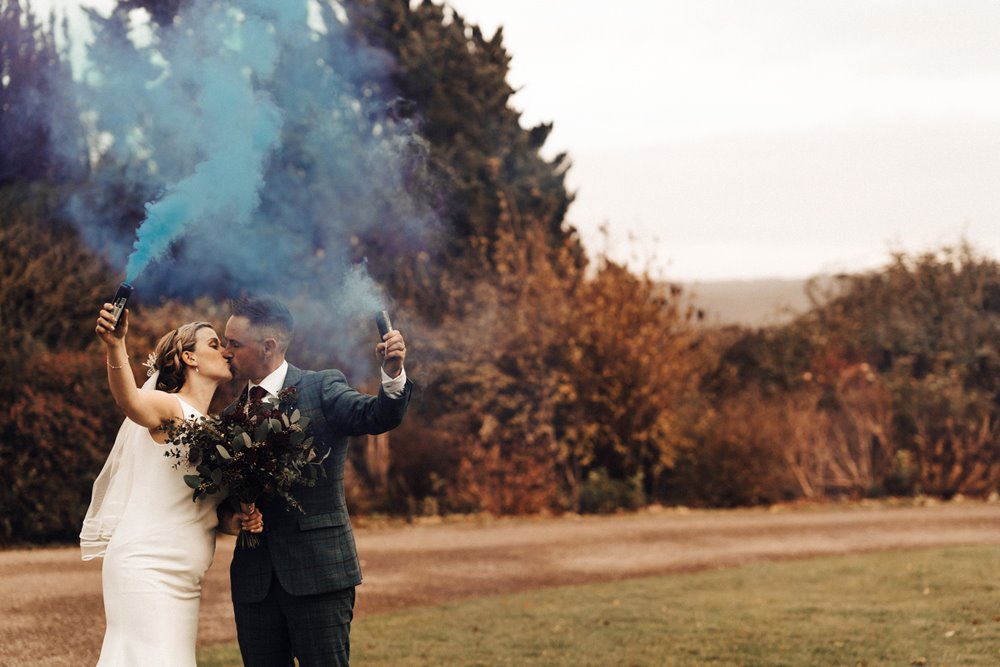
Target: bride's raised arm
(146,408)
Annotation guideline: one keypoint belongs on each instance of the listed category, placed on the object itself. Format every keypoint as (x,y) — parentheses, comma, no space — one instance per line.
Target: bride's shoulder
(166,401)
(190,412)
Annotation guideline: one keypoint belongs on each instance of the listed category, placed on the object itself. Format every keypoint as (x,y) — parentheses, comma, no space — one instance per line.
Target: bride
(156,543)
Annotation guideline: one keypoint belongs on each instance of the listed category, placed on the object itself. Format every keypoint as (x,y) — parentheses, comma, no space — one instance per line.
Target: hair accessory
(150,364)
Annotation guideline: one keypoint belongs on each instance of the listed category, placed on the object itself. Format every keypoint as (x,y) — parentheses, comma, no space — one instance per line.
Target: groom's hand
(392,352)
(251,520)
(248,518)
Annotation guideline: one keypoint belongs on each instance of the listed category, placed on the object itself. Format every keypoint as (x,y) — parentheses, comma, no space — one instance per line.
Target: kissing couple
(293,594)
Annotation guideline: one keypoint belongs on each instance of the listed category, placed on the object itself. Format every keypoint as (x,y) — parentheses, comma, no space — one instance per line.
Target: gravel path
(52,614)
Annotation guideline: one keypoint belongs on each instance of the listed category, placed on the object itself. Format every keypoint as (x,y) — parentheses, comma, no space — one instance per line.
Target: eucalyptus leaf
(224,453)
(192,480)
(217,476)
(240,441)
(295,416)
(260,434)
(274,425)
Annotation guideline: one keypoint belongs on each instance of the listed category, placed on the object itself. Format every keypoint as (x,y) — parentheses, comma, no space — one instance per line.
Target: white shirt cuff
(394,387)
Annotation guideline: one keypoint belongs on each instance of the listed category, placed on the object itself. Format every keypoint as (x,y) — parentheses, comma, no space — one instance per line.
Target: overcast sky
(732,139)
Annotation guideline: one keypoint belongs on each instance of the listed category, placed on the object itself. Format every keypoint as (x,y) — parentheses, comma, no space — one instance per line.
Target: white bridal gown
(157,545)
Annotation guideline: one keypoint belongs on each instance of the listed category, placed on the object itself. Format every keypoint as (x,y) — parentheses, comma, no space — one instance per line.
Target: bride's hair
(168,352)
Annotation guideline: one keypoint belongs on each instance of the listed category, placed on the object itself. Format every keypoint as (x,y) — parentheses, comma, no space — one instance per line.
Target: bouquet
(260,447)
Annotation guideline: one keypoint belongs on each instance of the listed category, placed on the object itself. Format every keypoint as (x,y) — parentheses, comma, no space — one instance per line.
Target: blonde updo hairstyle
(167,355)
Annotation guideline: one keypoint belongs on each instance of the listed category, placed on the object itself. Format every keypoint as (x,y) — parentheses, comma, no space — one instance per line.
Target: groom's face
(245,350)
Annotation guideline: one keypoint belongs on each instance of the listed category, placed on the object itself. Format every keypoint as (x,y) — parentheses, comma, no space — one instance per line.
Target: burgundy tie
(257,394)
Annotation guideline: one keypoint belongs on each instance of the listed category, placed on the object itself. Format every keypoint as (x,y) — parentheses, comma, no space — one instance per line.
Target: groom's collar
(274,382)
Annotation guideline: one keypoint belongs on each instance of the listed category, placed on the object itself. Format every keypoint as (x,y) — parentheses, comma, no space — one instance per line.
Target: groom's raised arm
(350,412)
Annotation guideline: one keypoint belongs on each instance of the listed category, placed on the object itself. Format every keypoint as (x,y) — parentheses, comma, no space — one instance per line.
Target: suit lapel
(292,377)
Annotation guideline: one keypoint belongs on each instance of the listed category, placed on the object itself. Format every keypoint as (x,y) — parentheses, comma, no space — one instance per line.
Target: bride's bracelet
(117,367)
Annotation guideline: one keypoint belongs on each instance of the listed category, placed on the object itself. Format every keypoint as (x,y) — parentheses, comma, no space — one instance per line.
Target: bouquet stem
(247,540)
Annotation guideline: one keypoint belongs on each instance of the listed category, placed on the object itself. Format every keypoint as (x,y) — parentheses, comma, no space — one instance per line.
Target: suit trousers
(316,629)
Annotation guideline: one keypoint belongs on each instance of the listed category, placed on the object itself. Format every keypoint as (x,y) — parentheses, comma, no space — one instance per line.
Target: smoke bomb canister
(383,322)
(118,304)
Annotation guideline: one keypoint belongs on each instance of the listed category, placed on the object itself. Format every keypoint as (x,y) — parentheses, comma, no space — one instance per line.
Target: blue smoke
(267,146)
(240,127)
(361,296)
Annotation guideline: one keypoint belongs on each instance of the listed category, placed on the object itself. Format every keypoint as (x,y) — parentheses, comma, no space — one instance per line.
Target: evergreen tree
(457,82)
(40,136)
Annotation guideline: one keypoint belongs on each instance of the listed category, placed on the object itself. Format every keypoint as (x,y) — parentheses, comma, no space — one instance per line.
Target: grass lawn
(936,607)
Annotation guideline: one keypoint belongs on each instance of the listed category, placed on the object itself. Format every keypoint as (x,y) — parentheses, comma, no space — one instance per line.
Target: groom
(294,593)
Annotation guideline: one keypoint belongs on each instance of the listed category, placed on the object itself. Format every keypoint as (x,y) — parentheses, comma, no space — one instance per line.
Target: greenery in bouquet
(261,447)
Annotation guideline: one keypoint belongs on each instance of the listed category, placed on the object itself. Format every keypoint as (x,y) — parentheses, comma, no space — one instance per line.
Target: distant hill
(749,302)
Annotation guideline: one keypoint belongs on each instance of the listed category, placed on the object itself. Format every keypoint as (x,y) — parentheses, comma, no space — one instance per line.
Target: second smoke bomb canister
(383,322)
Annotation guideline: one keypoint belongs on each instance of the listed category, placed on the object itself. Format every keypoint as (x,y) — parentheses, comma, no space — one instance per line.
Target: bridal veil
(112,489)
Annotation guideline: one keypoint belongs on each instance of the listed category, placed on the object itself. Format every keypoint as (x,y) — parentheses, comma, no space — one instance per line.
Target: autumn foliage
(889,384)
(549,374)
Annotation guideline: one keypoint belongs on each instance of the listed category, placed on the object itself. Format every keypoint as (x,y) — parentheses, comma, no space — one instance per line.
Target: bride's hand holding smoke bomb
(392,350)
(120,301)
(111,325)
(112,321)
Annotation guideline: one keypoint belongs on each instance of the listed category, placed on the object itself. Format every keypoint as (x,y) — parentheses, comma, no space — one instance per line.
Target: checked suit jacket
(313,551)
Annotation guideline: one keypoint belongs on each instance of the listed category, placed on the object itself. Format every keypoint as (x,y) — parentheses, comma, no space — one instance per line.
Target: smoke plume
(267,147)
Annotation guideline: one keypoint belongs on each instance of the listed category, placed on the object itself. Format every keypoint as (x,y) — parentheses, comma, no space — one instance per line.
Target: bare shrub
(840,439)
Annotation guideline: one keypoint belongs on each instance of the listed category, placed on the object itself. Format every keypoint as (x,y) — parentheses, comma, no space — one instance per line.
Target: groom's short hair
(267,315)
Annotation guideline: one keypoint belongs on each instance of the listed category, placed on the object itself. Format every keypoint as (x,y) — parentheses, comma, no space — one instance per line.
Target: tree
(890,382)
(550,378)
(930,325)
(40,136)
(457,82)
(58,419)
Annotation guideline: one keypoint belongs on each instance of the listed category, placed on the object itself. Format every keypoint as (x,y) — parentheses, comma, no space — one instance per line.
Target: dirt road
(51,609)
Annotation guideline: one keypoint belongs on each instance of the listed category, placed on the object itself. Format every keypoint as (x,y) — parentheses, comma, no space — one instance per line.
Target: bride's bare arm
(146,408)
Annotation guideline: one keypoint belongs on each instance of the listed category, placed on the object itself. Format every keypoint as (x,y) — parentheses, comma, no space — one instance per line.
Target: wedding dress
(157,545)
